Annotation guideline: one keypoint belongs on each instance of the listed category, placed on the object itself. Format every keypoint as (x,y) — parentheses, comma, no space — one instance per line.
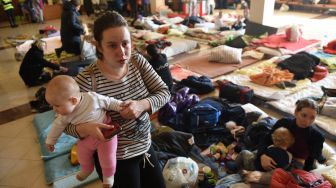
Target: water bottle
(221,170)
(324,41)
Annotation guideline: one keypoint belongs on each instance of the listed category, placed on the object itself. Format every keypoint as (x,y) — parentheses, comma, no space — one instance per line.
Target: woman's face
(116,47)
(305,117)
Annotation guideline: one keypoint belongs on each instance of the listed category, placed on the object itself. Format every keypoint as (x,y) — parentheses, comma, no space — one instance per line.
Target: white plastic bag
(88,50)
(180,171)
(284,7)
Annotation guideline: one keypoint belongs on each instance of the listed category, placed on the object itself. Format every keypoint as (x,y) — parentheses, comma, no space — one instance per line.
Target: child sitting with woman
(75,107)
(282,139)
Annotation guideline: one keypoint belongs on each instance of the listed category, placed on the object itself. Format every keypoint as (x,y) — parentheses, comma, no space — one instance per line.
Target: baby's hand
(50,147)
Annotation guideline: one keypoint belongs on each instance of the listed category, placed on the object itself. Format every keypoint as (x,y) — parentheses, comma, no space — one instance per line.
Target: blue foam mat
(42,123)
(57,167)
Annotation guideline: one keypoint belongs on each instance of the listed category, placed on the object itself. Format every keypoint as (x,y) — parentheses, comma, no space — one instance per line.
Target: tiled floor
(20,162)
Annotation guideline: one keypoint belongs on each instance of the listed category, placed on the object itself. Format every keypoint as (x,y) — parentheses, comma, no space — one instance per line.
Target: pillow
(269,51)
(252,108)
(152,35)
(226,54)
(174,32)
(330,176)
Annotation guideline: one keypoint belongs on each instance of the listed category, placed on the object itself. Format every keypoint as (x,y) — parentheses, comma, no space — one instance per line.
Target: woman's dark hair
(108,20)
(306,103)
(75,2)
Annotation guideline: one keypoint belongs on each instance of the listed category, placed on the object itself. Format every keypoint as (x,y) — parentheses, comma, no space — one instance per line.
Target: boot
(328,91)
(58,52)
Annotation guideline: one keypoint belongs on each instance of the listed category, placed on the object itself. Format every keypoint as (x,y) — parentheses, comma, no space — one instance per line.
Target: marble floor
(20,161)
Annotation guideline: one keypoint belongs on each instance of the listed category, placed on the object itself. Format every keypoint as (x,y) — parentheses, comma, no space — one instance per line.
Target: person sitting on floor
(31,68)
(282,139)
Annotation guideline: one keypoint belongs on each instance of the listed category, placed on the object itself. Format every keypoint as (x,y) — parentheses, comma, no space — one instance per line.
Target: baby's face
(62,107)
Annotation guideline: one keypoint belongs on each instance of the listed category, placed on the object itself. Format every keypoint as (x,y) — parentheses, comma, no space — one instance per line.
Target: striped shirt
(141,82)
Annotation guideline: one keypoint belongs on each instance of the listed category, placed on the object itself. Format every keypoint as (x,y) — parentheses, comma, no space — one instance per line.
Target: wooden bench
(299,5)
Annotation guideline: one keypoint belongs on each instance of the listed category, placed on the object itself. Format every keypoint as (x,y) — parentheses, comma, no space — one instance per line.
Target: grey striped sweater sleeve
(159,92)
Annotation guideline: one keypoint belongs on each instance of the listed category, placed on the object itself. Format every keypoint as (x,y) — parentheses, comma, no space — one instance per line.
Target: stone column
(261,11)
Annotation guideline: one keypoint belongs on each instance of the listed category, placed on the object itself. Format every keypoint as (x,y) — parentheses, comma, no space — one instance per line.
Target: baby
(282,139)
(75,107)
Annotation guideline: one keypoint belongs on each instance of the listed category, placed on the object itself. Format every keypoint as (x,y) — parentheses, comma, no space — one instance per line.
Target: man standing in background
(9,9)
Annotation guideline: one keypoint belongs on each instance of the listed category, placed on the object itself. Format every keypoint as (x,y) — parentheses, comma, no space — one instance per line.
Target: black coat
(314,140)
(71,29)
(32,66)
(160,64)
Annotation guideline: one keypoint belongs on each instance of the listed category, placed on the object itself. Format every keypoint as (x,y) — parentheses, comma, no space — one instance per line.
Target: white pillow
(152,36)
(226,54)
(248,107)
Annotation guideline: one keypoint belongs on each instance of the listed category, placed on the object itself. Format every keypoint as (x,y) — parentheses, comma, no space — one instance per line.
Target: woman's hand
(267,162)
(92,129)
(131,109)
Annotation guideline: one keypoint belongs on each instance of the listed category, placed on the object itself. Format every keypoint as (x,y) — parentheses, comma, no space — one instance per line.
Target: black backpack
(256,133)
(234,92)
(40,104)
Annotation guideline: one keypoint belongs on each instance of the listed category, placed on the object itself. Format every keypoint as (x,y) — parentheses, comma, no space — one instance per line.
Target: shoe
(321,159)
(58,52)
(330,92)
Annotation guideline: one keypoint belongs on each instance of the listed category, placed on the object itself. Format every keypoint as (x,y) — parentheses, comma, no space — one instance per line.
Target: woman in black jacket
(71,28)
(308,141)
(31,68)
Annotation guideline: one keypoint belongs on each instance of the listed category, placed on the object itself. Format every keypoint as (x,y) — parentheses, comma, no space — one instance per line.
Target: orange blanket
(271,76)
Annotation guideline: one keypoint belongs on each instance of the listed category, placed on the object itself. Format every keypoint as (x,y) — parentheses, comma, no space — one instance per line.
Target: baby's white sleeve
(56,130)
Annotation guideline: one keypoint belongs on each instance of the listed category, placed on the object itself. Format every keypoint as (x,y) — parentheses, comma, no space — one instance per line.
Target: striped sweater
(141,82)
